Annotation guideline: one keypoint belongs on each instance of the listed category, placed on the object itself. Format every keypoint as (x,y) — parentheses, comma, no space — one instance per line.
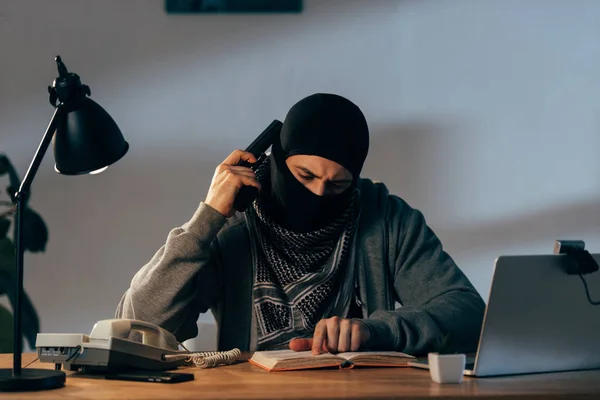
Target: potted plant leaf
(35,237)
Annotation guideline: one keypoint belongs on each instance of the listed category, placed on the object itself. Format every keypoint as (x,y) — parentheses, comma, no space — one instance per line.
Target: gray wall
(484,114)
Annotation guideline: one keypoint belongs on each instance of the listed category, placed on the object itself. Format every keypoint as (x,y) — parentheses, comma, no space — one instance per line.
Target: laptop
(538,319)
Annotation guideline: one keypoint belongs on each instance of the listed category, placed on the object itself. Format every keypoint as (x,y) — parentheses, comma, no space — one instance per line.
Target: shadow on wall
(419,162)
(553,223)
(425,163)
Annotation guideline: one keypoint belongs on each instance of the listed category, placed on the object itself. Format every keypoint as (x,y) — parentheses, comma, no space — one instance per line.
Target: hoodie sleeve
(180,281)
(441,310)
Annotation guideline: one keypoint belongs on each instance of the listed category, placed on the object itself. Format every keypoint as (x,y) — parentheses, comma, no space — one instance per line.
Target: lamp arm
(20,202)
(41,151)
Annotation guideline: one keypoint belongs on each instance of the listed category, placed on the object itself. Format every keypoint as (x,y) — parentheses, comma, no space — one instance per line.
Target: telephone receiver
(152,335)
(247,194)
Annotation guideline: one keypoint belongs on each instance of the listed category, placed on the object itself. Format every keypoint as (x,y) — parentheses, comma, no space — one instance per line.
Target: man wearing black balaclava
(318,261)
(327,127)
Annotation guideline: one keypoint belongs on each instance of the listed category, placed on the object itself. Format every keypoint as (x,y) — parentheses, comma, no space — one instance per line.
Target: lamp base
(30,380)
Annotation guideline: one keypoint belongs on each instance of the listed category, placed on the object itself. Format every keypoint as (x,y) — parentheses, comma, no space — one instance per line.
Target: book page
(350,355)
(280,360)
(278,355)
(289,359)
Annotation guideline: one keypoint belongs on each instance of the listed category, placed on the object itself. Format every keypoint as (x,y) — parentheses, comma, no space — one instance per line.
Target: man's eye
(306,177)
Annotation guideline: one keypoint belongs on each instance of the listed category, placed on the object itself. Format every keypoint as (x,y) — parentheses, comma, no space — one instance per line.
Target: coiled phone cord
(207,359)
(212,359)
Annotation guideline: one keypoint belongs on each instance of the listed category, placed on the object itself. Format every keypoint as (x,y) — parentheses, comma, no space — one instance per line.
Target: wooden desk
(242,381)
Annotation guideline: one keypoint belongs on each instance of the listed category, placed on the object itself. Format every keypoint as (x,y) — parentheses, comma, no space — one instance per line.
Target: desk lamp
(86,140)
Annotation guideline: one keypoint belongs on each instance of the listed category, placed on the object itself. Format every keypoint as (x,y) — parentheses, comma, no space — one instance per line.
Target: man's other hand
(334,335)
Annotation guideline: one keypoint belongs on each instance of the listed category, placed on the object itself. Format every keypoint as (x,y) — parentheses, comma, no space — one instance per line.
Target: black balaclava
(325,125)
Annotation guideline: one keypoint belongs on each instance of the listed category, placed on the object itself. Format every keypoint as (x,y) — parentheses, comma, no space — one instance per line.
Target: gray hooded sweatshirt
(413,297)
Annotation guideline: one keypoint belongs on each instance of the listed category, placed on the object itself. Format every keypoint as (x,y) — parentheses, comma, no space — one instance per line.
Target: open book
(289,360)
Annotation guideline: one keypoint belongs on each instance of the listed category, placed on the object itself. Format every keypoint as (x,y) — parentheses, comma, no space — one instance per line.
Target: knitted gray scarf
(299,278)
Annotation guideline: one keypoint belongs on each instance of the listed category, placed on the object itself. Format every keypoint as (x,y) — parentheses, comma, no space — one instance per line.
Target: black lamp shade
(87,139)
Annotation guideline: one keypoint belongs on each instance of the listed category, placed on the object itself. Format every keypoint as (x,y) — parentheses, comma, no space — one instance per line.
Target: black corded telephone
(258,147)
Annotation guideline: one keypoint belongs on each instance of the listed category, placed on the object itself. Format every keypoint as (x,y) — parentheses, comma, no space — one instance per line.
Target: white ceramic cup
(446,368)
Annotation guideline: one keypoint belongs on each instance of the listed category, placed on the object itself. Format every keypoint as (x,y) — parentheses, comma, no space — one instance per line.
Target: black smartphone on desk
(151,376)
(258,147)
